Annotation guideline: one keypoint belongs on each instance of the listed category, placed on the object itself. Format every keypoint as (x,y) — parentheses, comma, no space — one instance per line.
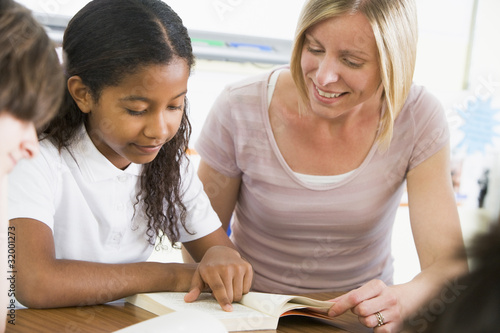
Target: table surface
(118,315)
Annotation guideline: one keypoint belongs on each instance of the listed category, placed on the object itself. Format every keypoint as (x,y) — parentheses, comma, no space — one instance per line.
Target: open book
(255,311)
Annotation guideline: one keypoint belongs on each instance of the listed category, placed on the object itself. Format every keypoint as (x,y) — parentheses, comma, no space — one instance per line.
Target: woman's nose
(328,71)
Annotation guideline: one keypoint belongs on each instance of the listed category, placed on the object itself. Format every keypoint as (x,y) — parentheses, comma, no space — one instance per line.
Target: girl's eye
(135,113)
(176,108)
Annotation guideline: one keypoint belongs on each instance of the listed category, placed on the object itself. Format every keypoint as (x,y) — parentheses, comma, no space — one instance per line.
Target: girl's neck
(117,160)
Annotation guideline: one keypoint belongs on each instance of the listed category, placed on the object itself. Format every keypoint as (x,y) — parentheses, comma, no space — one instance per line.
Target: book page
(275,305)
(206,303)
(297,302)
(347,321)
(241,318)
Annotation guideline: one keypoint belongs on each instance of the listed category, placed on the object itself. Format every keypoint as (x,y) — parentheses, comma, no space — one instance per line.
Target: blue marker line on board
(259,47)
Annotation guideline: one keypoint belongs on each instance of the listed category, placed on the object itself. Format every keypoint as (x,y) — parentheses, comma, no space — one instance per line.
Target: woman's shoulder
(252,82)
(423,119)
(421,104)
(421,96)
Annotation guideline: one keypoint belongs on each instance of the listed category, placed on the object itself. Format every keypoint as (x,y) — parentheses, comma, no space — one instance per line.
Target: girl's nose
(157,126)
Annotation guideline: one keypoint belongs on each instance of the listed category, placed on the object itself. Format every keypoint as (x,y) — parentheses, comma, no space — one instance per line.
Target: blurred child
(472,303)
(31,89)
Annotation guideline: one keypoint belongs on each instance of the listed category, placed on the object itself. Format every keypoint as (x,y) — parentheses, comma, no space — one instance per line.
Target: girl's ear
(80,93)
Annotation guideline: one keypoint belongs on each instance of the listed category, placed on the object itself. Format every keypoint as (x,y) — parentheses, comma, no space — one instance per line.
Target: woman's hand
(376,305)
(225,273)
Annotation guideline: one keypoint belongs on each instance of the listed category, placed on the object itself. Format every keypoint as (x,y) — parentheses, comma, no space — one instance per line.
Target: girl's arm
(225,273)
(438,239)
(223,193)
(42,281)
(5,257)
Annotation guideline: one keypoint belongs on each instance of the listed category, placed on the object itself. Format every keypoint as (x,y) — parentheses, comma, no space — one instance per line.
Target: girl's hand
(376,305)
(225,273)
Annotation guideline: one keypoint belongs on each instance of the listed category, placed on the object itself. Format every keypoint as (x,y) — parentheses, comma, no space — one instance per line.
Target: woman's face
(18,140)
(340,66)
(132,121)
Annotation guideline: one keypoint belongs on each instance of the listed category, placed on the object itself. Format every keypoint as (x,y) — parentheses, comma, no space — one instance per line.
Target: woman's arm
(438,239)
(436,228)
(223,193)
(42,281)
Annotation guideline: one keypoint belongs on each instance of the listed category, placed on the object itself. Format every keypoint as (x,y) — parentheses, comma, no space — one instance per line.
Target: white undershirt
(310,179)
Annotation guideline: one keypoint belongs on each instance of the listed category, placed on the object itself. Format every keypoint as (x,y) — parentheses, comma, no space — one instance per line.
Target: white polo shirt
(88,203)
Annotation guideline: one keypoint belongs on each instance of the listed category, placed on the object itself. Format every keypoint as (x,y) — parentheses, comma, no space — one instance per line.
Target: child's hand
(225,273)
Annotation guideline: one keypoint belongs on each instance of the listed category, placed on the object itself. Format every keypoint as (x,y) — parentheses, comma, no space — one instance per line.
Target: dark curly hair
(105,41)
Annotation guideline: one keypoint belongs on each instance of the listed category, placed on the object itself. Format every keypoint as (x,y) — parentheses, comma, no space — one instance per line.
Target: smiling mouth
(149,149)
(328,95)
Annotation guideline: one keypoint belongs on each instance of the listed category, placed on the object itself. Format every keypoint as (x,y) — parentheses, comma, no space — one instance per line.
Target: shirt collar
(94,165)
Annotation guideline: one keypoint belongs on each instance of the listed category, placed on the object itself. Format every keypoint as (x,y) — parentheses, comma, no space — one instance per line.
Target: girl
(112,174)
(31,90)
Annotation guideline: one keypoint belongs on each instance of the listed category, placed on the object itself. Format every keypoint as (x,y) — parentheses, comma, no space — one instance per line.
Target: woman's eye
(176,108)
(352,64)
(313,50)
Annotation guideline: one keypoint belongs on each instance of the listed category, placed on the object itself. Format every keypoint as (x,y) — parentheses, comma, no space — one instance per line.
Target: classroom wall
(458,60)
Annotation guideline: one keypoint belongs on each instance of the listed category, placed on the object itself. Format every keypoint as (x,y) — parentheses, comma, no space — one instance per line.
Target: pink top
(304,237)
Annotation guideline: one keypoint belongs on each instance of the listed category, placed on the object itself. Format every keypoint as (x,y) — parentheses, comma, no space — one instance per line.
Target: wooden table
(114,316)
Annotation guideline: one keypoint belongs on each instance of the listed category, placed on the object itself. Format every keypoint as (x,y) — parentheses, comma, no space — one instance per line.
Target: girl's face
(18,140)
(132,121)
(340,65)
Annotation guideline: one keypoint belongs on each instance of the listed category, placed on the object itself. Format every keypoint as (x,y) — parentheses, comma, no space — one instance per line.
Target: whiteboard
(259,18)
(443,39)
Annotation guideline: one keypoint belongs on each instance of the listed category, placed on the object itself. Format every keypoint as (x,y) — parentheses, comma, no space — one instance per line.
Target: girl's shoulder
(49,151)
(49,160)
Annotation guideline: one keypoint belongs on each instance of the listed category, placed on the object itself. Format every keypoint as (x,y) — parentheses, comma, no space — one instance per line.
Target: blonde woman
(31,89)
(312,159)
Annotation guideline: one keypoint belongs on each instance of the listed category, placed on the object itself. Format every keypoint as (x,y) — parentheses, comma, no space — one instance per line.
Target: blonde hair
(394,24)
